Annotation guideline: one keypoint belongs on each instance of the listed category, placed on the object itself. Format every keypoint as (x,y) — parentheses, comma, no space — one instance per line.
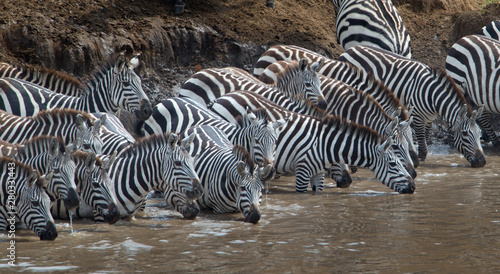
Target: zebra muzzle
(113,215)
(191,211)
(50,232)
(72,200)
(145,111)
(253,215)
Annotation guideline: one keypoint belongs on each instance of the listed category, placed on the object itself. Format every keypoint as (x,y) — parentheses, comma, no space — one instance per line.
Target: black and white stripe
(430,91)
(21,191)
(231,180)
(473,63)
(74,127)
(491,30)
(95,190)
(297,81)
(371,22)
(114,87)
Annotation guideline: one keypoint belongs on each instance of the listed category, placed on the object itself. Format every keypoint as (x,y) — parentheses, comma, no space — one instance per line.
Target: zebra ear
(134,62)
(71,148)
(99,122)
(279,124)
(110,161)
(477,113)
(80,123)
(90,160)
(32,178)
(318,65)
(54,146)
(120,63)
(384,146)
(172,141)
(44,180)
(265,171)
(409,110)
(242,168)
(186,143)
(303,64)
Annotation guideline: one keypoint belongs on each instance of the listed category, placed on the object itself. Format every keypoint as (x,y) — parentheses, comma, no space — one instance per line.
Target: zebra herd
(66,153)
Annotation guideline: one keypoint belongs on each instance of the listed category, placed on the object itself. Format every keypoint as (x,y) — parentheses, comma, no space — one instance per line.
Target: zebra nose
(72,200)
(478,161)
(191,211)
(253,215)
(322,104)
(50,232)
(145,110)
(113,214)
(409,188)
(345,181)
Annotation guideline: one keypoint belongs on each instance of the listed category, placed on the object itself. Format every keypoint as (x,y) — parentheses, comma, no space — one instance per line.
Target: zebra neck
(96,89)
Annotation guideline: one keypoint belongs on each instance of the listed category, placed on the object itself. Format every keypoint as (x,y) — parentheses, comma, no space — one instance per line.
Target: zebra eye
(35,203)
(86,146)
(95,184)
(126,84)
(465,133)
(178,163)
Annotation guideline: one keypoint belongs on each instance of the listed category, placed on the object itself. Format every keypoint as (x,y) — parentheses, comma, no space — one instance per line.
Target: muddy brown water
(450,224)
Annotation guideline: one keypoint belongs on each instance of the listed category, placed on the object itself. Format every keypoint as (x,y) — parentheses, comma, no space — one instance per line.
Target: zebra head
(466,136)
(88,137)
(63,167)
(179,173)
(34,206)
(249,185)
(390,171)
(309,84)
(96,188)
(127,88)
(401,147)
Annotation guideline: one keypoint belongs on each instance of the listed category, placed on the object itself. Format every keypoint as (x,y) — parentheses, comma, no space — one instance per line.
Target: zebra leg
(420,134)
(317,181)
(179,7)
(484,122)
(303,176)
(340,174)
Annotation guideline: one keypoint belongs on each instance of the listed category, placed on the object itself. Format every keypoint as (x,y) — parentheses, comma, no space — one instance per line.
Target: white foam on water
(237,242)
(50,268)
(134,246)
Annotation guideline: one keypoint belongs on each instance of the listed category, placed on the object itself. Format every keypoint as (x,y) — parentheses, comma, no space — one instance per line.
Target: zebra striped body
(256,135)
(307,145)
(374,23)
(358,107)
(114,86)
(473,63)
(491,30)
(347,73)
(72,126)
(95,190)
(22,193)
(49,154)
(231,180)
(157,162)
(115,138)
(296,81)
(430,91)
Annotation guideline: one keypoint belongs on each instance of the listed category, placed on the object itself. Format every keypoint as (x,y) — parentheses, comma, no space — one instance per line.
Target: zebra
(230,178)
(359,107)
(307,145)
(74,127)
(430,91)
(46,154)
(161,162)
(115,138)
(95,190)
(472,62)
(491,30)
(252,131)
(23,195)
(342,71)
(114,86)
(375,23)
(300,78)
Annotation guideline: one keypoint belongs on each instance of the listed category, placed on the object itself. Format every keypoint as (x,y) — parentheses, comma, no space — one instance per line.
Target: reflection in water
(450,224)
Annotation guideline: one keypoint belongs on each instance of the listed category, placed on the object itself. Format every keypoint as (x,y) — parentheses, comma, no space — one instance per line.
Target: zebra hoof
(179,8)
(50,232)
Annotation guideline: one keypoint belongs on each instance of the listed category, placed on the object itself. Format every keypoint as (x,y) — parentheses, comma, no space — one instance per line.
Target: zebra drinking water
(114,86)
(430,91)
(21,191)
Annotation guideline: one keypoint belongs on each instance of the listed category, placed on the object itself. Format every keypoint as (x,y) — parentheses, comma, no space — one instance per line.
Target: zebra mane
(336,121)
(64,114)
(291,68)
(21,168)
(441,74)
(303,100)
(147,143)
(100,71)
(260,113)
(43,141)
(243,155)
(80,156)
(44,72)
(371,78)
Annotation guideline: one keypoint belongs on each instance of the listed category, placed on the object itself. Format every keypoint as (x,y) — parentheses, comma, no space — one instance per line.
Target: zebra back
(72,126)
(22,193)
(230,178)
(95,190)
(473,64)
(430,91)
(491,30)
(345,72)
(157,162)
(374,23)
